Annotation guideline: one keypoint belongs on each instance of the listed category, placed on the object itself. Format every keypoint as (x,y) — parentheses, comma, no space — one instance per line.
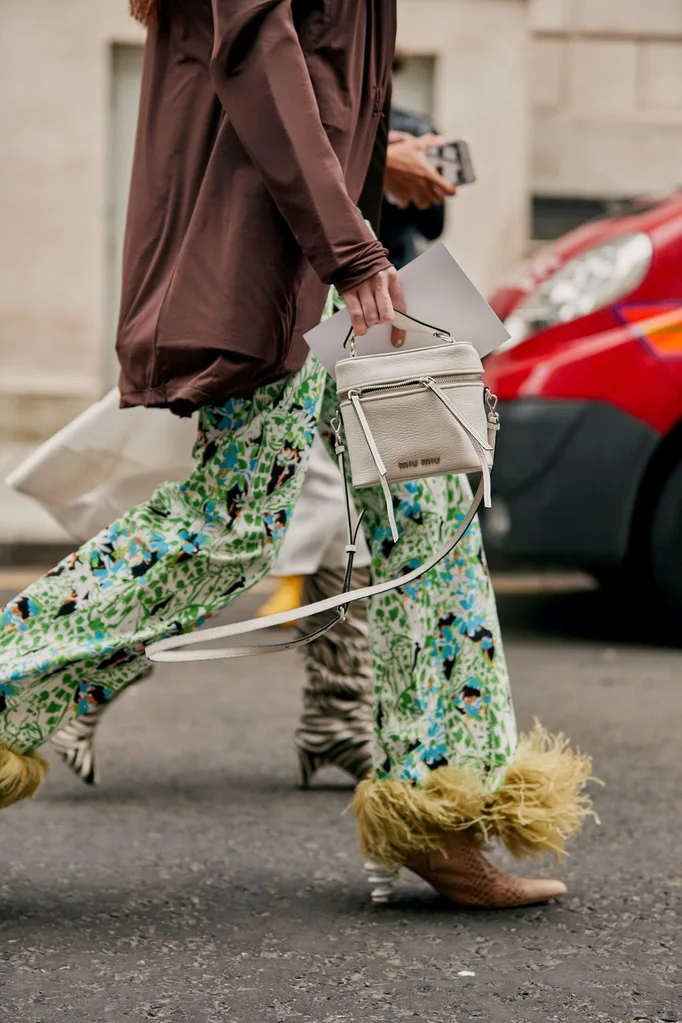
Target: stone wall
(54,124)
(607,96)
(481,93)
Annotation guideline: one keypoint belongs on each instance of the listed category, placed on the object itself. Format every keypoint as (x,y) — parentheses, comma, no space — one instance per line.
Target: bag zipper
(444,378)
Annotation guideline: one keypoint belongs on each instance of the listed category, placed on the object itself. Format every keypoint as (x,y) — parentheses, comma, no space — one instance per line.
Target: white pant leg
(317,534)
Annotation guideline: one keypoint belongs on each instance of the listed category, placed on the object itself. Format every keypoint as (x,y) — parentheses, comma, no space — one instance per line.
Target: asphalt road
(199,885)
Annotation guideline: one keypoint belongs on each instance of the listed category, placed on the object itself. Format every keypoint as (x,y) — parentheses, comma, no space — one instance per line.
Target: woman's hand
(373,302)
(410,178)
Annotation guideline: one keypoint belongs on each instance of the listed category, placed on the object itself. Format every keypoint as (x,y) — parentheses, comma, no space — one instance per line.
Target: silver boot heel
(382,881)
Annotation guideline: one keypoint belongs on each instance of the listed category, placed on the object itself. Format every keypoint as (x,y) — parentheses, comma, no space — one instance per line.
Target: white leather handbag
(403,416)
(423,412)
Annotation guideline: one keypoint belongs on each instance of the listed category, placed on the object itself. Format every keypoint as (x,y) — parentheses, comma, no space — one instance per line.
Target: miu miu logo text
(416,462)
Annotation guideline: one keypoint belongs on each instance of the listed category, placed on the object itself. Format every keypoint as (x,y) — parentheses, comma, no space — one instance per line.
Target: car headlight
(592,280)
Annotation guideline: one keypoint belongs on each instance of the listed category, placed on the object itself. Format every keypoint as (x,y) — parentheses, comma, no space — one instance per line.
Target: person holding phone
(260,130)
(414,201)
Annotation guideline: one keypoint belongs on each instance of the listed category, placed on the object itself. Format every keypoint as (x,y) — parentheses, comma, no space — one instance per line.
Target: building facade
(64,144)
(588,108)
(67,114)
(606,89)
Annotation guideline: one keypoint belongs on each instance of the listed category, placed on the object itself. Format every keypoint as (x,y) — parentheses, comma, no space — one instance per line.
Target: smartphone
(453,161)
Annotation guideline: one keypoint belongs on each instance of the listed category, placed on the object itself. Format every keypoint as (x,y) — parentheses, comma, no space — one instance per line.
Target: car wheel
(666,542)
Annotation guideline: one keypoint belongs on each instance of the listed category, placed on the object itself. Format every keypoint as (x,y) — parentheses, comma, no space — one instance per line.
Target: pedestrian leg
(447,759)
(161,569)
(336,724)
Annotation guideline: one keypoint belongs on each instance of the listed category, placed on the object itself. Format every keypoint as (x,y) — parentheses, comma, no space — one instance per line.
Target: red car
(588,471)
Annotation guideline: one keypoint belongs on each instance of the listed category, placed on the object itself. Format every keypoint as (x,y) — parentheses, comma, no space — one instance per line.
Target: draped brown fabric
(258,124)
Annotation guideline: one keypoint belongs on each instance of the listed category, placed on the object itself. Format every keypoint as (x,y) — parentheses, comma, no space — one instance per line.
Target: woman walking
(260,130)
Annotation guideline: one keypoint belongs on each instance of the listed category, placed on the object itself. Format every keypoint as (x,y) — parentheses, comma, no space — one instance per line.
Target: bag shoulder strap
(169,650)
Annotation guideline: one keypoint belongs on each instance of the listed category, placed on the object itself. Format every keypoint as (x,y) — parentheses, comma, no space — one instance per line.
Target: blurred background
(571,107)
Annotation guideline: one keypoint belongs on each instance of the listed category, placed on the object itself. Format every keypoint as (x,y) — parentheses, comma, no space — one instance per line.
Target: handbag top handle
(405,322)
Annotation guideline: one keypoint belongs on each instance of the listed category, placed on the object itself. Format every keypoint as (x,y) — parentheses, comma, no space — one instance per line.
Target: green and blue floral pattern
(77,636)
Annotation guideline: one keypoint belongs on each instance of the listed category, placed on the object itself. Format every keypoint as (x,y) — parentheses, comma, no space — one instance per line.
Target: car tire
(666,542)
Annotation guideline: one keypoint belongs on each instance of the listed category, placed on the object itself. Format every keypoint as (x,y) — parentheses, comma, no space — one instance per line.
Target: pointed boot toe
(536,890)
(463,876)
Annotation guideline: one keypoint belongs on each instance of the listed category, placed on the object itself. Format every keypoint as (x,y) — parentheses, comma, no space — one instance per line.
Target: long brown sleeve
(260,76)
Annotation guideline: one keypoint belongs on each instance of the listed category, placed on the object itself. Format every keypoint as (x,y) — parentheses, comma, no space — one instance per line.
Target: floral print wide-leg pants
(79,632)
(445,738)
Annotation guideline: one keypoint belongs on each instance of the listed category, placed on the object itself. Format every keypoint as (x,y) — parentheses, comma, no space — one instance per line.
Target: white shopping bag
(108,460)
(104,462)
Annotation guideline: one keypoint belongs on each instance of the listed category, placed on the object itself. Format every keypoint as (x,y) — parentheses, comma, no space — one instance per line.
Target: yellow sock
(287,596)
